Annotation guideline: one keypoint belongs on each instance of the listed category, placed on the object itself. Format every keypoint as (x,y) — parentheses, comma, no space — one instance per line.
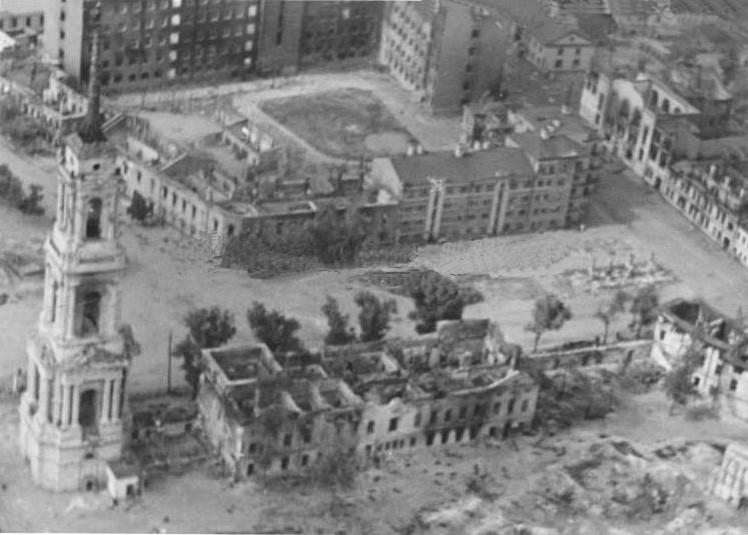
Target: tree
(610,310)
(208,327)
(679,386)
(11,189)
(337,468)
(191,355)
(436,298)
(549,314)
(273,328)
(340,332)
(140,209)
(31,203)
(644,307)
(336,238)
(374,317)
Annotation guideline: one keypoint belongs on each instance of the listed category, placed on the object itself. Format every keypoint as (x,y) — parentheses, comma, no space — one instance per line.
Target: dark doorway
(130,491)
(507,429)
(87,409)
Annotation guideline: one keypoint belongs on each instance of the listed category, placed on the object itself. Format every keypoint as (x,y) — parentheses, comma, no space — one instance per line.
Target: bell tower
(72,411)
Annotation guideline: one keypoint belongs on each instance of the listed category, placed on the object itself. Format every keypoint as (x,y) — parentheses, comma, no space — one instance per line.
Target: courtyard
(348,123)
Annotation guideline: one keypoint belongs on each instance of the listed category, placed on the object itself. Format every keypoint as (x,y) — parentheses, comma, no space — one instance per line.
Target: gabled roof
(478,165)
(553,31)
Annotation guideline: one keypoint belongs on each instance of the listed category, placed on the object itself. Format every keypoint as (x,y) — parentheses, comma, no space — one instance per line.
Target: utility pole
(168,363)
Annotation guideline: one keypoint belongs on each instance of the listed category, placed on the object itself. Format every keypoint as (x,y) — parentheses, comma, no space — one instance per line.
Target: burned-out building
(262,420)
(720,344)
(455,386)
(713,194)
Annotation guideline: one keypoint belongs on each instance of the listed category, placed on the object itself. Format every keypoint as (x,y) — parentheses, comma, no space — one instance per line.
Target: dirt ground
(425,491)
(337,123)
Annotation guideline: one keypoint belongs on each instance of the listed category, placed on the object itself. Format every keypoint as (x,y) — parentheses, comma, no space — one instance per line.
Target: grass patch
(338,123)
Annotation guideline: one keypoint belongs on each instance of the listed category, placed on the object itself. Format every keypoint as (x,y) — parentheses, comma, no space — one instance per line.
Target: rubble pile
(610,487)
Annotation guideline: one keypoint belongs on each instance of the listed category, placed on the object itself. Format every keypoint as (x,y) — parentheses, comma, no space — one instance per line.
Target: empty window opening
(93,222)
(89,313)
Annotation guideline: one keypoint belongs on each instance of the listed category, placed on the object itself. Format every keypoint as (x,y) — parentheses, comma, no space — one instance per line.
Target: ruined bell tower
(72,411)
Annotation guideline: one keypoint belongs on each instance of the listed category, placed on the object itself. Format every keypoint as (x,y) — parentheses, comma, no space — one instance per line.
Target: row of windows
(13,22)
(478,410)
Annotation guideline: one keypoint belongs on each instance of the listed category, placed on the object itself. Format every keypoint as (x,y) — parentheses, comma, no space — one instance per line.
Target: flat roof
(474,165)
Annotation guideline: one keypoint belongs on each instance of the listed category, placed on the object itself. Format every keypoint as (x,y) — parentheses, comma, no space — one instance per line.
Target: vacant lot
(345,124)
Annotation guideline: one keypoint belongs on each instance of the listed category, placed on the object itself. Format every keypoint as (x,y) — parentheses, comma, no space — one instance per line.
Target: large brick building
(148,42)
(296,35)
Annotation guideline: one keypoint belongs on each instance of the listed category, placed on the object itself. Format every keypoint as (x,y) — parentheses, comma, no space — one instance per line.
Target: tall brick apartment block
(147,43)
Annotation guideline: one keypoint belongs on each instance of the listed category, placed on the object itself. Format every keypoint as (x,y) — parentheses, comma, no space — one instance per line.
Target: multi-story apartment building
(448,51)
(453,387)
(713,195)
(720,344)
(536,182)
(558,47)
(145,43)
(564,179)
(444,195)
(296,35)
(22,16)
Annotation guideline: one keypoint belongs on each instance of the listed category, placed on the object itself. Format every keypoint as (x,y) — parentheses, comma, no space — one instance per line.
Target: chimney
(476,145)
(91,128)
(410,150)
(458,151)
(419,149)
(544,133)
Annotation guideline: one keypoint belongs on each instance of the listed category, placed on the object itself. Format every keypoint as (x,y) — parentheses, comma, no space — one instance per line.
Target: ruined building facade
(369,398)
(71,416)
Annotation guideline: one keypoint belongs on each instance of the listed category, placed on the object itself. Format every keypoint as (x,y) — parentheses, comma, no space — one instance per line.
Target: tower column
(105,402)
(76,393)
(69,308)
(43,398)
(65,415)
(33,379)
(115,400)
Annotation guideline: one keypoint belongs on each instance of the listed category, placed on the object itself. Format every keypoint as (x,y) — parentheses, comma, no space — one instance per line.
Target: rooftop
(483,164)
(555,146)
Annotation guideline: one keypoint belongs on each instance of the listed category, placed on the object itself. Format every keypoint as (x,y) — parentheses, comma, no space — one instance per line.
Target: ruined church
(71,415)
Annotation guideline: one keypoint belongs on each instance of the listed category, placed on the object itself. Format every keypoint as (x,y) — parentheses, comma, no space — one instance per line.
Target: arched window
(666,105)
(93,221)
(90,312)
(655,98)
(87,409)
